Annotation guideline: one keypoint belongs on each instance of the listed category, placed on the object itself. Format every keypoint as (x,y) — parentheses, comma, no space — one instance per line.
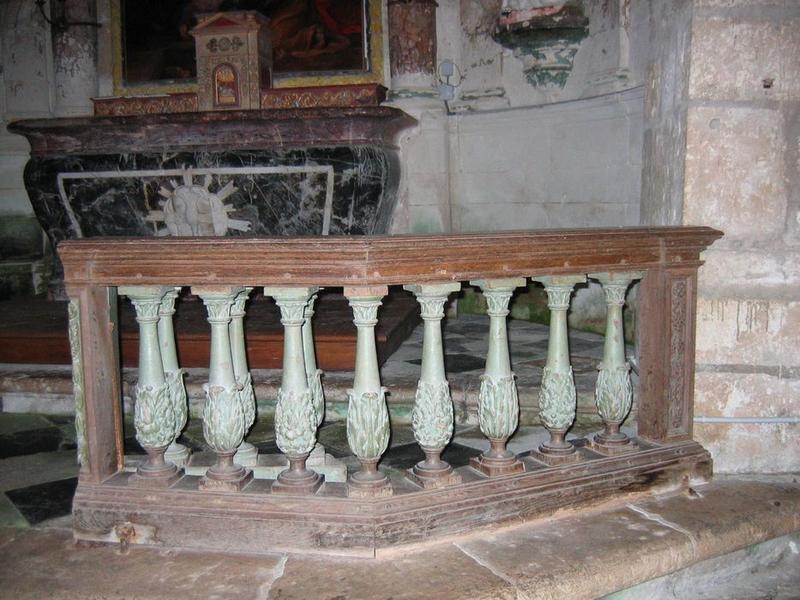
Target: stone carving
(557,399)
(317,395)
(614,393)
(192,210)
(176,453)
(432,416)
(177,397)
(223,418)
(545,40)
(154,416)
(498,406)
(295,422)
(677,350)
(368,424)
(77,380)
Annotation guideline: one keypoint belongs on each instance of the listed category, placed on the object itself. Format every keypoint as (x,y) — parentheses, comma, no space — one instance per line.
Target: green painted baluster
(367,414)
(498,411)
(557,398)
(78,381)
(295,416)
(224,419)
(314,376)
(176,453)
(613,393)
(154,412)
(432,417)
(247,454)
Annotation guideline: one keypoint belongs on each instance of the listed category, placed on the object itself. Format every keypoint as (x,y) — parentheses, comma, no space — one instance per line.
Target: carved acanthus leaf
(557,399)
(292,311)
(78,390)
(615,292)
(167,308)
(237,310)
(317,395)
(146,309)
(432,417)
(368,424)
(614,394)
(177,396)
(248,399)
(154,416)
(223,418)
(295,422)
(497,301)
(498,406)
(365,312)
(432,307)
(558,296)
(219,308)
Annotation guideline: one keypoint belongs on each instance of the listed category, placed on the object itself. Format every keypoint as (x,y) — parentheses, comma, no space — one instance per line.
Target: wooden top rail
(378,260)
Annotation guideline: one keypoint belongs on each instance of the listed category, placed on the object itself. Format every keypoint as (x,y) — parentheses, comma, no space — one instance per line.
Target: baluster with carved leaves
(367,414)
(498,410)
(154,411)
(224,418)
(614,393)
(557,397)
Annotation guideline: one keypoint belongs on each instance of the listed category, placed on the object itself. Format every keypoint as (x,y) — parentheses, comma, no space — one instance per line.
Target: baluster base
(246,455)
(612,441)
(225,476)
(498,460)
(155,472)
(369,482)
(433,472)
(297,479)
(178,454)
(557,450)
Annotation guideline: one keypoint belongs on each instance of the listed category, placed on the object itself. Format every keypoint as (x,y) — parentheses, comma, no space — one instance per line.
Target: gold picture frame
(374,73)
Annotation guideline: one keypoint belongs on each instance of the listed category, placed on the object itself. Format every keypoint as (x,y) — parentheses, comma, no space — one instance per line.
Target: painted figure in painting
(307,35)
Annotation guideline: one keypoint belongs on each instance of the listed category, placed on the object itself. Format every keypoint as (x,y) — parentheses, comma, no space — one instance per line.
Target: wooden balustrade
(225,506)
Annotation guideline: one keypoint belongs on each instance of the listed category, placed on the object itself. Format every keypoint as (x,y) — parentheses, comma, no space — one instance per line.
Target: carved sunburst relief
(189,209)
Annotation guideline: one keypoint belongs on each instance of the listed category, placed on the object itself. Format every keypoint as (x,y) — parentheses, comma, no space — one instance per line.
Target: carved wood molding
(379,260)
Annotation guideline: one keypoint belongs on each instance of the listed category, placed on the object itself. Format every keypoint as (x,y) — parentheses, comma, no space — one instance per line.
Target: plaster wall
(514,155)
(742,175)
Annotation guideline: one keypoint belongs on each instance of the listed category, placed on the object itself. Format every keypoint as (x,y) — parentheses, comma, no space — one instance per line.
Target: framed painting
(315,42)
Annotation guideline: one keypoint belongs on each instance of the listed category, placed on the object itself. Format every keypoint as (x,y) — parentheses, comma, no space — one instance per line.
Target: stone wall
(743,176)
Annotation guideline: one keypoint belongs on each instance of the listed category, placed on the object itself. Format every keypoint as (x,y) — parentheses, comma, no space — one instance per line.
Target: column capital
(238,304)
(617,277)
(218,302)
(146,300)
(365,311)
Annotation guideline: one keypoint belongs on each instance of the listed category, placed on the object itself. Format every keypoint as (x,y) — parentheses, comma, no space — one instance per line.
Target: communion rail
(225,507)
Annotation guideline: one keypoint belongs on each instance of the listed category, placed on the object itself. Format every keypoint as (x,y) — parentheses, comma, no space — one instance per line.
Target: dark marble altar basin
(314,171)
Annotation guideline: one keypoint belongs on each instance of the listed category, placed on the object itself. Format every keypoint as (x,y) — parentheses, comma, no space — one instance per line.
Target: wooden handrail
(377,260)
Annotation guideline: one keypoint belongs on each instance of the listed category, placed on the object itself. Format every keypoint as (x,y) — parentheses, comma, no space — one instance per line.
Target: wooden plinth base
(137,480)
(495,468)
(432,483)
(257,521)
(557,459)
(225,485)
(310,485)
(612,449)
